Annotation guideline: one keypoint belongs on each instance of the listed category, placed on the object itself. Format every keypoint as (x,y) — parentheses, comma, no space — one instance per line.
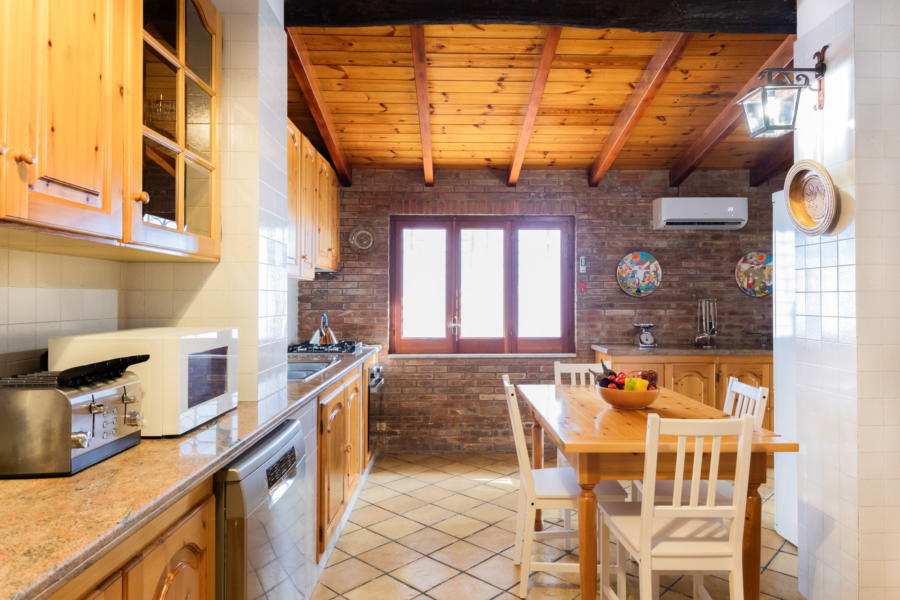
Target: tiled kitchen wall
(456,404)
(45,295)
(247,288)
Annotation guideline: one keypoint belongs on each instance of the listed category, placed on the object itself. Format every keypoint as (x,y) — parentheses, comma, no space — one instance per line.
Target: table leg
(752,540)
(587,541)
(537,459)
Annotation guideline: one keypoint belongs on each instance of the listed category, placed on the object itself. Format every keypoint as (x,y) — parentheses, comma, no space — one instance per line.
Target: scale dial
(647,338)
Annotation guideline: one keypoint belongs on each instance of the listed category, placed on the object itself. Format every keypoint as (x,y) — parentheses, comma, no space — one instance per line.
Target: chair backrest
(742,399)
(706,448)
(515,418)
(579,373)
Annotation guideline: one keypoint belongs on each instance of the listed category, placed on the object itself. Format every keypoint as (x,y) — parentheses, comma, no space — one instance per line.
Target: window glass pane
(197,43)
(196,199)
(424,281)
(540,283)
(481,283)
(161,21)
(159,93)
(197,118)
(158,173)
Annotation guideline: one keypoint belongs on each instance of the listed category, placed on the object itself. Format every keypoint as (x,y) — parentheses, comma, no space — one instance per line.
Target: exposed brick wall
(456,404)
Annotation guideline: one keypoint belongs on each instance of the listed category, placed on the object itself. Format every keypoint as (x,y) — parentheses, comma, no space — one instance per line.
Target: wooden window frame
(510,343)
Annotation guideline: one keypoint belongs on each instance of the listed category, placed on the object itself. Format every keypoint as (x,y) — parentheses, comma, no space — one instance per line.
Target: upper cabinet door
(295,188)
(66,120)
(173,198)
(327,218)
(308,238)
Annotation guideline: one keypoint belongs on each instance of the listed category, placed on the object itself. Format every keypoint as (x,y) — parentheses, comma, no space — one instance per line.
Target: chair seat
(561,483)
(666,487)
(672,537)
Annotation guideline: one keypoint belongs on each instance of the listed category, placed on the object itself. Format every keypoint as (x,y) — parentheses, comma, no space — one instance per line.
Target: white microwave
(191,377)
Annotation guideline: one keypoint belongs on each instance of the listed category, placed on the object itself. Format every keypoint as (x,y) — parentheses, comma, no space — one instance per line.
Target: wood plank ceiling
(481,79)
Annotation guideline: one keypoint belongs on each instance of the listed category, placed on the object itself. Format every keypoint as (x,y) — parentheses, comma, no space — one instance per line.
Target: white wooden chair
(699,535)
(555,488)
(741,400)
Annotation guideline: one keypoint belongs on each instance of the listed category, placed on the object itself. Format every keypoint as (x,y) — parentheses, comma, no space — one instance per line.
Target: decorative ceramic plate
(361,238)
(811,197)
(753,274)
(639,274)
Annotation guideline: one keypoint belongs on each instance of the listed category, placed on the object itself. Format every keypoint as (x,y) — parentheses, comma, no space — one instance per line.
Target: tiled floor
(441,527)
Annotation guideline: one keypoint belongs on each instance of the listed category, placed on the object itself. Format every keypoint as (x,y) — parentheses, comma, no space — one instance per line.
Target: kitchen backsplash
(46,295)
(440,404)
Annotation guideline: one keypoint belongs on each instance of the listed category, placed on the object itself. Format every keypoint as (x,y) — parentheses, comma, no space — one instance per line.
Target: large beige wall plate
(811,197)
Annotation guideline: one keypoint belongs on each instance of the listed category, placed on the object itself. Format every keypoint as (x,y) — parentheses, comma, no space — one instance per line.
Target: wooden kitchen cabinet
(694,379)
(180,564)
(172,203)
(703,377)
(341,452)
(63,99)
(303,188)
(328,218)
(111,589)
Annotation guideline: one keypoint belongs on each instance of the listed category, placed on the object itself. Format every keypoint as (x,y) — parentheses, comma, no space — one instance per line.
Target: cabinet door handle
(28,159)
(348,448)
(143,198)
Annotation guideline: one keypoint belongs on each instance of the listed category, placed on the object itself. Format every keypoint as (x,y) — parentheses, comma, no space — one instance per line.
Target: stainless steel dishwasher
(264,522)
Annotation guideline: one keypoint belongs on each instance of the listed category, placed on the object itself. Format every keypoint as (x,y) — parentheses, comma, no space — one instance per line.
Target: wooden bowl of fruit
(627,391)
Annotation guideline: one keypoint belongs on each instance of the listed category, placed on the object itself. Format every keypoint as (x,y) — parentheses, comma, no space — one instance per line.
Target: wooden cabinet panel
(292,245)
(355,448)
(67,118)
(332,463)
(328,218)
(755,373)
(180,564)
(695,380)
(111,589)
(307,239)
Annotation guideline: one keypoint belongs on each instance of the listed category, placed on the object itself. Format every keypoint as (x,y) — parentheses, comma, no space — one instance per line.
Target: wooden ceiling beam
(725,122)
(420,74)
(667,54)
(302,68)
(551,40)
(779,158)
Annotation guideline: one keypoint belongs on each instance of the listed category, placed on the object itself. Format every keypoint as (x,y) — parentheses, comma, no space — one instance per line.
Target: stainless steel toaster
(59,422)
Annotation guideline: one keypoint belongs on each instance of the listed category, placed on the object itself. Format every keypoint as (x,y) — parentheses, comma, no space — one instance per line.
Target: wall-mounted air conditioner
(699,213)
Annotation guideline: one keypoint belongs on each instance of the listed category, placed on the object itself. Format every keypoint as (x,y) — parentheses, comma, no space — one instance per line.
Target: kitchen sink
(306,369)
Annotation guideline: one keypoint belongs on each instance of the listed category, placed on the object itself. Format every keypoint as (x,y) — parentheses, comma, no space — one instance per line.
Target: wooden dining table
(601,442)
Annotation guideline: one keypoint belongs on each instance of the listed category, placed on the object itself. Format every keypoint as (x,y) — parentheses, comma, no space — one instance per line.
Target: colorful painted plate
(753,274)
(639,274)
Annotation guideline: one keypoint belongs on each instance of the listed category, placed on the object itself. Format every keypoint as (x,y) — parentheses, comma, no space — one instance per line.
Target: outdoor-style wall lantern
(771,109)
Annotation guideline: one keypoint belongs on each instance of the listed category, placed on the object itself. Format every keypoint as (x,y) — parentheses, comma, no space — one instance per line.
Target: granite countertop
(674,349)
(54,528)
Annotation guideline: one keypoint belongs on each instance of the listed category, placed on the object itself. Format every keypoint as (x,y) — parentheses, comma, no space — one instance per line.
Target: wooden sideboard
(702,375)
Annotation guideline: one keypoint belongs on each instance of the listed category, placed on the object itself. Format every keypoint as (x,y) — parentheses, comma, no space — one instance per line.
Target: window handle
(454,323)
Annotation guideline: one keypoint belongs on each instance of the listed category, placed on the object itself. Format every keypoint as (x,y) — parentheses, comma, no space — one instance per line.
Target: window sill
(547,355)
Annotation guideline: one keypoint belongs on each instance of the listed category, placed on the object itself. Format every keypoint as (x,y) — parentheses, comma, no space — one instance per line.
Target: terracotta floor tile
(509,501)
(784,563)
(497,570)
(460,525)
(789,548)
(484,492)
(429,514)
(359,542)
(770,539)
(480,476)
(458,468)
(456,484)
(409,469)
(779,585)
(464,587)
(383,588)
(381,477)
(461,555)
(390,556)
(350,527)
(491,513)
(367,515)
(376,494)
(396,527)
(348,575)
(717,587)
(493,539)
(336,557)
(401,504)
(431,476)
(322,593)
(427,540)
(407,484)
(430,493)
(424,573)
(508,523)
(457,503)
(507,484)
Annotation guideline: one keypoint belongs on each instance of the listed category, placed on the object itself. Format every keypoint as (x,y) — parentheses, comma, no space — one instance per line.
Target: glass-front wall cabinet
(175,158)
